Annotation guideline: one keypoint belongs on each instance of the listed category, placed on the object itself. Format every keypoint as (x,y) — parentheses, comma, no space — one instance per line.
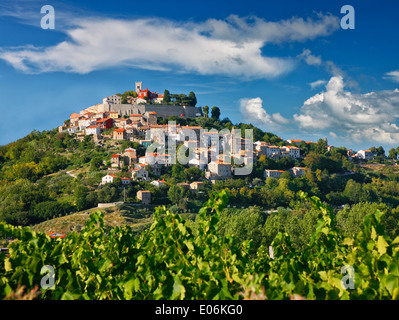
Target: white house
(84,123)
(73,130)
(158,183)
(93,130)
(296,141)
(365,155)
(109,178)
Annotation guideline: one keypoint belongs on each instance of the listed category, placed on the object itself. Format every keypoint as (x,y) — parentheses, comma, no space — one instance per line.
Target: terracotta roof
(55,234)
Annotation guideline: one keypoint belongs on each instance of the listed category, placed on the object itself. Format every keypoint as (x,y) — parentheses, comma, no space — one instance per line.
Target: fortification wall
(163,111)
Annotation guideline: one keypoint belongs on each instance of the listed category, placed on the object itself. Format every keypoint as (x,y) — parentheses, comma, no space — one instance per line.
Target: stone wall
(163,111)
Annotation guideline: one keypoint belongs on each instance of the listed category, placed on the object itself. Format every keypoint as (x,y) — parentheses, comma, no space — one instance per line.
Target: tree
(96,163)
(215,113)
(178,171)
(49,209)
(192,98)
(193,173)
(176,193)
(206,111)
(166,96)
(380,151)
(80,197)
(393,154)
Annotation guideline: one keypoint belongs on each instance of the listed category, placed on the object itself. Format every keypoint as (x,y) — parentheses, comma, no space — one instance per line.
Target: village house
(295,141)
(117,161)
(151,118)
(294,152)
(273,173)
(140,174)
(365,155)
(74,116)
(191,144)
(158,183)
(218,170)
(137,118)
(144,196)
(124,122)
(105,123)
(196,185)
(125,180)
(114,114)
(130,156)
(191,132)
(119,134)
(93,130)
(84,123)
(73,129)
(114,99)
(154,157)
(109,178)
(198,162)
(211,138)
(298,171)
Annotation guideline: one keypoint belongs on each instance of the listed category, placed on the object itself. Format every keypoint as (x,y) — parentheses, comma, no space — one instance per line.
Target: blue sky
(287,66)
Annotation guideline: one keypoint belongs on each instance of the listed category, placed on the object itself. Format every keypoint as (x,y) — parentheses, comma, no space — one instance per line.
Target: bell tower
(138,86)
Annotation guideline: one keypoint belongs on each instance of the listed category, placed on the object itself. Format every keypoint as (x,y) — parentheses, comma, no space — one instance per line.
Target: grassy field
(381,168)
(137,217)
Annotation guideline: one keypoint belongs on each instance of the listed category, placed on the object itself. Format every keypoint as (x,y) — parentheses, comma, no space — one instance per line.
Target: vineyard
(170,261)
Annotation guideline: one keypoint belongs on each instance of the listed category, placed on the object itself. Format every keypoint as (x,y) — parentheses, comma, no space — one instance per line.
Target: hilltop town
(218,154)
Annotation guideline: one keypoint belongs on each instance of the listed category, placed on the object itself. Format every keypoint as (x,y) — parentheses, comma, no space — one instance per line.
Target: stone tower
(139,86)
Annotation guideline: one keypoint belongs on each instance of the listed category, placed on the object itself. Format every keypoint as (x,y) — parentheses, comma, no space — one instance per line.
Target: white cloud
(309,58)
(230,47)
(393,76)
(317,84)
(252,110)
(369,117)
(277,117)
(313,60)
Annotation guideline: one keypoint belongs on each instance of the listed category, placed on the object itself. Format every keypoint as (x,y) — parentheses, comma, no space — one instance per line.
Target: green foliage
(215,113)
(170,260)
(166,97)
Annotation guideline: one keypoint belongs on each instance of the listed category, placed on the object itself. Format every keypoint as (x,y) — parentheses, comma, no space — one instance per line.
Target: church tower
(139,86)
